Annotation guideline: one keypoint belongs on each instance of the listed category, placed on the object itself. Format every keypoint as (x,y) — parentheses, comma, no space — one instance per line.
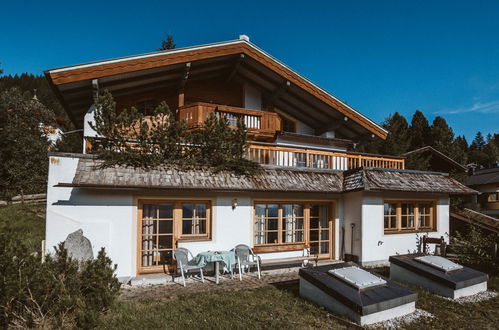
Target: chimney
(244,37)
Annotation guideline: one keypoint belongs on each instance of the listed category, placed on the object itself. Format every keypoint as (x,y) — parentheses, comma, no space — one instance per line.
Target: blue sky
(441,57)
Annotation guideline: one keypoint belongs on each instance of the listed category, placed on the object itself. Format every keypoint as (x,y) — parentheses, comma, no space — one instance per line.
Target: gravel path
(400,321)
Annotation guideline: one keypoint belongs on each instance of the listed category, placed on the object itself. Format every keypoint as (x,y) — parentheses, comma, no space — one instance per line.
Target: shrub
(476,249)
(59,292)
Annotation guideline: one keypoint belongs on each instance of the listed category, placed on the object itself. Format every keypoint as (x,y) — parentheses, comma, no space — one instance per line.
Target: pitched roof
(438,154)
(482,177)
(267,179)
(376,179)
(76,80)
(477,218)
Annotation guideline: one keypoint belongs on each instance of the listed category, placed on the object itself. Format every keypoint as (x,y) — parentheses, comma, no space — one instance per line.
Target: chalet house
(486,181)
(311,193)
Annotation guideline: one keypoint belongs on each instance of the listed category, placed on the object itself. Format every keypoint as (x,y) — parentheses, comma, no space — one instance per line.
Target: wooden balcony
(311,158)
(261,125)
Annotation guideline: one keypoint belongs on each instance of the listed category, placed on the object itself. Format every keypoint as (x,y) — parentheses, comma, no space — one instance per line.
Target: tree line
(404,137)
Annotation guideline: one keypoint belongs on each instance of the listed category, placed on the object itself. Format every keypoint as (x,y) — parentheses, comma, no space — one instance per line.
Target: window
(292,223)
(146,106)
(390,216)
(287,226)
(193,219)
(493,197)
(162,223)
(408,216)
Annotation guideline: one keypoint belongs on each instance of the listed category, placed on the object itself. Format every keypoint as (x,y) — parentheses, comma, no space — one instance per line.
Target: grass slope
(26,222)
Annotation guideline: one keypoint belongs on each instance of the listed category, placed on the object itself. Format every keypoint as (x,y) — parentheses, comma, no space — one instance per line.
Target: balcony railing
(261,125)
(310,158)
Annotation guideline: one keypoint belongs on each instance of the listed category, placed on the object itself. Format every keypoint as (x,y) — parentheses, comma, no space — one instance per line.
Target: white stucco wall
(108,218)
(252,97)
(372,245)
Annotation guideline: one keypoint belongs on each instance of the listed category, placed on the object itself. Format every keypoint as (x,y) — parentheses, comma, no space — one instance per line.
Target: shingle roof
(376,179)
(89,174)
(488,176)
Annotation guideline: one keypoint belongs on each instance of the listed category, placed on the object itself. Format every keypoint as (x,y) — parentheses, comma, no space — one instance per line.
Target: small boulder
(78,246)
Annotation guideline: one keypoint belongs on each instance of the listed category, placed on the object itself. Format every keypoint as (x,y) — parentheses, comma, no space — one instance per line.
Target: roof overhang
(303,99)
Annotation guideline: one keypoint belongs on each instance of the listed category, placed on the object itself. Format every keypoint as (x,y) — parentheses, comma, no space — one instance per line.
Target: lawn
(276,307)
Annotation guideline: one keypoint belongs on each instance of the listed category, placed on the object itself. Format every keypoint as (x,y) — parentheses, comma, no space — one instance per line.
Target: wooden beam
(236,67)
(181,87)
(279,91)
(332,126)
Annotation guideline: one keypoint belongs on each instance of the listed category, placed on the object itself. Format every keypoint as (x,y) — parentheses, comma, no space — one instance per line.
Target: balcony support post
(181,86)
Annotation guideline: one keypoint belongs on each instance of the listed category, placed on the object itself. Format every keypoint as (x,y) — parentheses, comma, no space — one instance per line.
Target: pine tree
(460,150)
(442,136)
(23,147)
(419,131)
(477,154)
(168,43)
(492,151)
(398,140)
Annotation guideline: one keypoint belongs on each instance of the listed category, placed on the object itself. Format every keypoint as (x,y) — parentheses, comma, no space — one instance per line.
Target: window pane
(165,242)
(314,235)
(165,226)
(201,210)
(314,223)
(260,210)
(390,209)
(187,227)
(187,210)
(166,211)
(166,257)
(287,210)
(324,247)
(273,210)
(149,211)
(272,224)
(314,210)
(324,235)
(271,238)
(314,248)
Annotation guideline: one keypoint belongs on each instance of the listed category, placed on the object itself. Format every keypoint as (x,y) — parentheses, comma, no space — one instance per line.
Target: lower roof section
(91,174)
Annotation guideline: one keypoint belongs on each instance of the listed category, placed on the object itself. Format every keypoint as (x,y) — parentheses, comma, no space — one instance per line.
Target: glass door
(320,230)
(157,240)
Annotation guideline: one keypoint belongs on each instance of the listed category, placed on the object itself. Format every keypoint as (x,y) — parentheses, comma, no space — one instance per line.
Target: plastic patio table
(227,257)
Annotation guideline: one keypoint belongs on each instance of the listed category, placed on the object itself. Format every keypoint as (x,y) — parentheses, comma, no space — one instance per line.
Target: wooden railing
(310,158)
(259,123)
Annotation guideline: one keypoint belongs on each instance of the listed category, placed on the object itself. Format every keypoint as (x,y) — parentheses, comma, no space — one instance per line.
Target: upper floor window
(403,216)
(146,106)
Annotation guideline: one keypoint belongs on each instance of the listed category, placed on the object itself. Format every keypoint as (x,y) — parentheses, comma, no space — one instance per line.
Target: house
(311,192)
(437,161)
(486,181)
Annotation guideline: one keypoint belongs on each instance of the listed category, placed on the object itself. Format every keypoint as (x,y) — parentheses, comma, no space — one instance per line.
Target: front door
(157,239)
(320,230)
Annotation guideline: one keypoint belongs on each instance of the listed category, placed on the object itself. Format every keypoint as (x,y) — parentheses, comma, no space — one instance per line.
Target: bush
(60,292)
(476,249)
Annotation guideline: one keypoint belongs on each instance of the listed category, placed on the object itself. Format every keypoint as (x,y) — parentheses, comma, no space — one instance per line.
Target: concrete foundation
(319,297)
(403,275)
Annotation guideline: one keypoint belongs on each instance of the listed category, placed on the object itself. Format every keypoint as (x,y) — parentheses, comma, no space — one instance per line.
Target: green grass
(26,222)
(274,307)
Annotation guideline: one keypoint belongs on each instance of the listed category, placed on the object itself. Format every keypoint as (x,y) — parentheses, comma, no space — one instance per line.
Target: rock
(3,203)
(78,246)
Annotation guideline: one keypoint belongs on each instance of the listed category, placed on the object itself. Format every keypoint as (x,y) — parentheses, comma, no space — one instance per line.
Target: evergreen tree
(168,43)
(398,140)
(442,136)
(492,151)
(23,146)
(419,131)
(477,153)
(460,150)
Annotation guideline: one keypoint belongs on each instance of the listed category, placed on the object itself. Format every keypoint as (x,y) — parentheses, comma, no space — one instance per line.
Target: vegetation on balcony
(129,138)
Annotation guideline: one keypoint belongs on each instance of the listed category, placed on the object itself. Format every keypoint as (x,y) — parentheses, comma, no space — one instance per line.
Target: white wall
(252,97)
(377,246)
(107,219)
(352,204)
